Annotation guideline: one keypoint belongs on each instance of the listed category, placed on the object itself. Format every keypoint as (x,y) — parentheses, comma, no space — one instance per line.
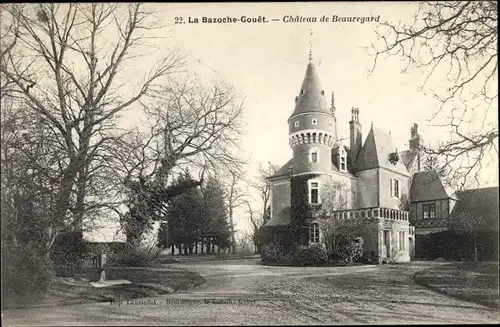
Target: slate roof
(282,218)
(311,95)
(283,171)
(479,202)
(375,153)
(427,186)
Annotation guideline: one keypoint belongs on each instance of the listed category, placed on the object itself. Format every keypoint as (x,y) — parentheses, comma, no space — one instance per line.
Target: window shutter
(391,187)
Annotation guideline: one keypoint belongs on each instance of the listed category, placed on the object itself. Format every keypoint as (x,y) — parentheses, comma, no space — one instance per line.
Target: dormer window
(342,159)
(393,158)
(296,124)
(313,156)
(314,121)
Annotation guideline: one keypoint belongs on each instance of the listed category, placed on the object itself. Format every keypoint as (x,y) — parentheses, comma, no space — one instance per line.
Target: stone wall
(385,198)
(367,193)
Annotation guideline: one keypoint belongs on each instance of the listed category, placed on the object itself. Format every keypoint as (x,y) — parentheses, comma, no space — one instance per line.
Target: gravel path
(245,293)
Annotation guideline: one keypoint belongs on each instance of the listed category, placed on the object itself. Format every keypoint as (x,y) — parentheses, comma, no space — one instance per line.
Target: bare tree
(196,124)
(67,65)
(334,232)
(235,198)
(454,42)
(263,187)
(245,240)
(257,223)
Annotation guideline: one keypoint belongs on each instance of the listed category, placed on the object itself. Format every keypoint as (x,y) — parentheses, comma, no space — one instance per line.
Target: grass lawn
(145,282)
(464,280)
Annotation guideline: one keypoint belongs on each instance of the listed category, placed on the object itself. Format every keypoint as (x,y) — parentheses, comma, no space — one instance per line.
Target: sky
(266,63)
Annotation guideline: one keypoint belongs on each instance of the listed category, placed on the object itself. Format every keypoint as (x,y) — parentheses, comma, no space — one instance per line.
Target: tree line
(67,161)
(197,220)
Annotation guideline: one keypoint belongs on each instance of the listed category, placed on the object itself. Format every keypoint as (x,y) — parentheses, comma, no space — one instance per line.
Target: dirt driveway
(241,292)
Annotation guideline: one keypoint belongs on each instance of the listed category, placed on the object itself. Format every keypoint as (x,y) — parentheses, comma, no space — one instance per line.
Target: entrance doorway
(386,243)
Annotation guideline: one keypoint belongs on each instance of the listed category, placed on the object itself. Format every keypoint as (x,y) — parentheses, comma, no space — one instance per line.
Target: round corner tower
(312,127)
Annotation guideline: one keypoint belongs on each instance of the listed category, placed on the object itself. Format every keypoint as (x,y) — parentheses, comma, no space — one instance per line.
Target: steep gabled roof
(479,203)
(427,186)
(375,153)
(311,95)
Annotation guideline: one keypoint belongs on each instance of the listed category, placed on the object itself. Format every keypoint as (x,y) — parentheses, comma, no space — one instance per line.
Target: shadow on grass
(145,282)
(471,282)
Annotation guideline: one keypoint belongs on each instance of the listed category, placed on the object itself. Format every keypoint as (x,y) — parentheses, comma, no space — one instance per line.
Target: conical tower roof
(311,96)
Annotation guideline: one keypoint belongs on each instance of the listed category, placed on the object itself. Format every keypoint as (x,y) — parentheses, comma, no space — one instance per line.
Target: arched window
(313,233)
(313,155)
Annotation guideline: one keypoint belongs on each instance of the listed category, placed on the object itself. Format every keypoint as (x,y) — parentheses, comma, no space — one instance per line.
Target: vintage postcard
(297,163)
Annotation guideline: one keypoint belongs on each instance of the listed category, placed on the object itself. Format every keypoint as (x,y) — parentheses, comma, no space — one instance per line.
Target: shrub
(371,258)
(69,252)
(309,256)
(134,256)
(347,252)
(275,253)
(25,274)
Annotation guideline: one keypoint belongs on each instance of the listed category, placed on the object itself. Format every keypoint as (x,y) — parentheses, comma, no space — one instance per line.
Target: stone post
(102,266)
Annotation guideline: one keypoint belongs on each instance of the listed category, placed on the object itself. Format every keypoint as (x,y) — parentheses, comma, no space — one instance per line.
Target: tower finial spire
(332,108)
(310,45)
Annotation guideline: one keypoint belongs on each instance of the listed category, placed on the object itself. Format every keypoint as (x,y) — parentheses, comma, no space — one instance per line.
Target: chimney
(355,135)
(415,143)
(414,137)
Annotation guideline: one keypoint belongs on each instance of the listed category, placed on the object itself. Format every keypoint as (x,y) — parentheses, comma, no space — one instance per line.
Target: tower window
(314,233)
(314,192)
(301,92)
(313,156)
(342,160)
(314,121)
(296,123)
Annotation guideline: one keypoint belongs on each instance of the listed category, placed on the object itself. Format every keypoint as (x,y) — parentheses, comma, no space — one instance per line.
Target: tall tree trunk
(173,249)
(196,247)
(231,225)
(475,248)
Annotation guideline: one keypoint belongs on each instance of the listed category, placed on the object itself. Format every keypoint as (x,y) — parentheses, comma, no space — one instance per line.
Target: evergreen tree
(218,230)
(184,216)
